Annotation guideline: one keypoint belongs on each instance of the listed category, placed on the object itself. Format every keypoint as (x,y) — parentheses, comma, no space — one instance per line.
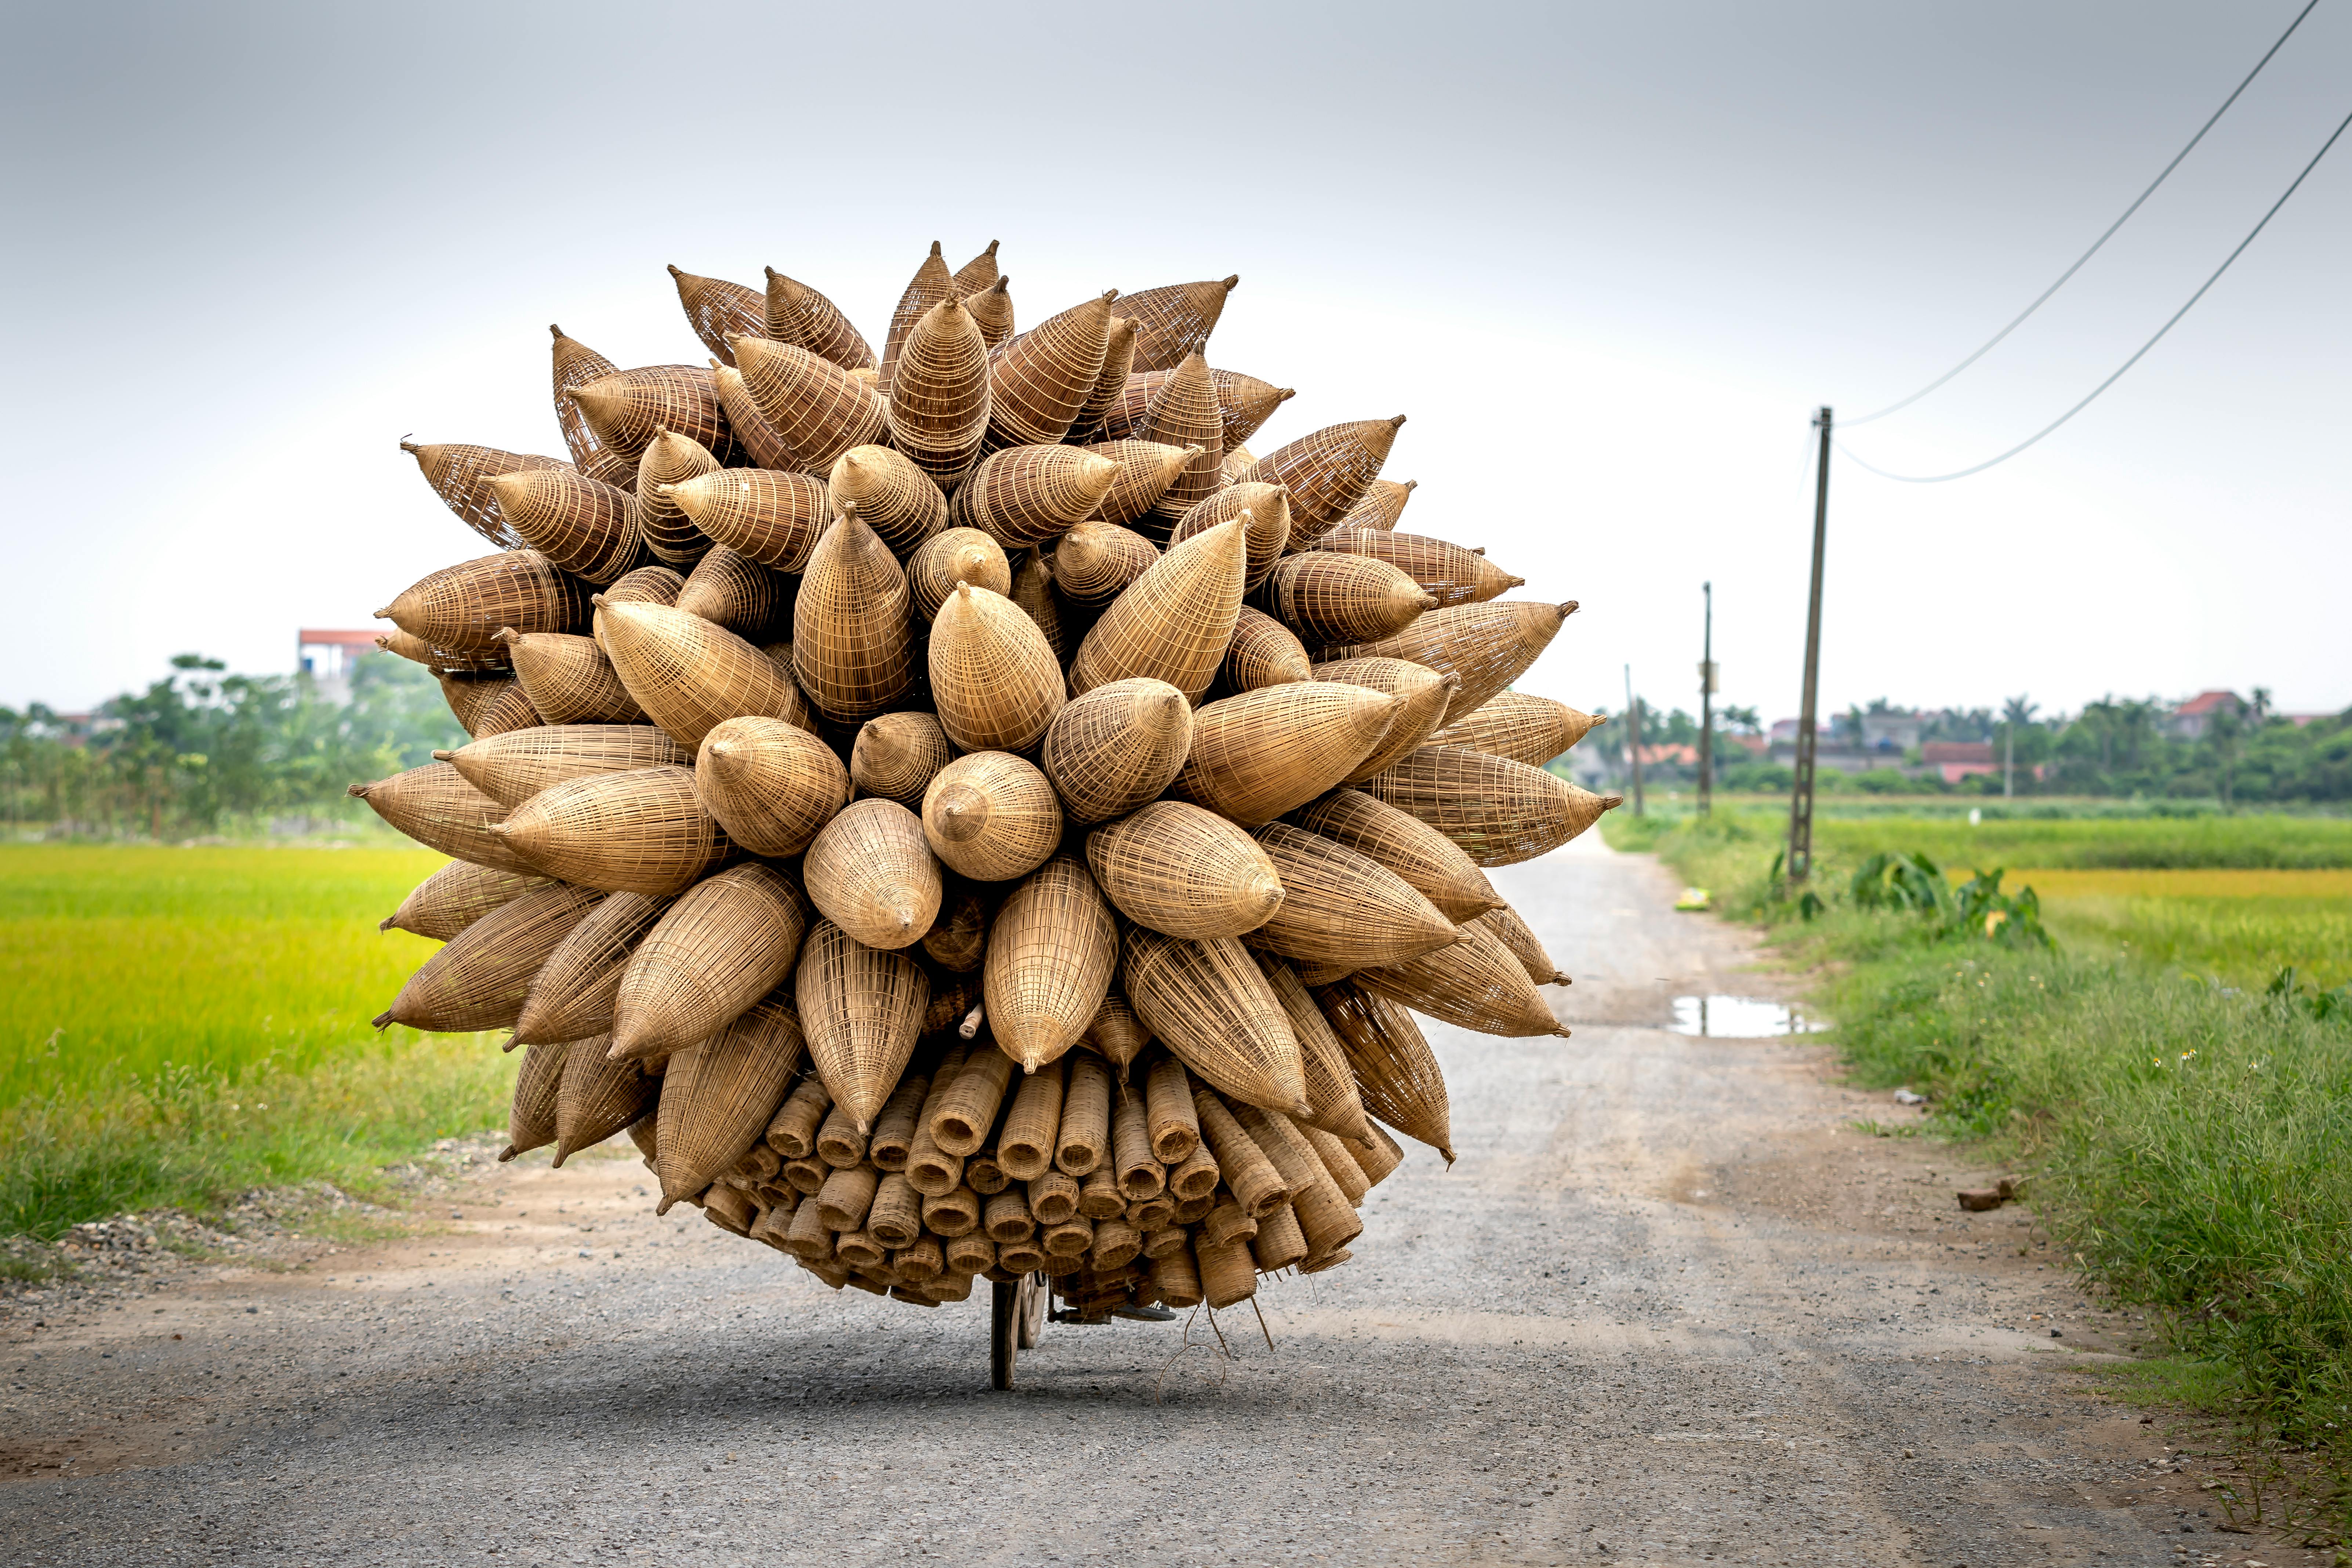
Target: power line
(2103,240)
(2046,429)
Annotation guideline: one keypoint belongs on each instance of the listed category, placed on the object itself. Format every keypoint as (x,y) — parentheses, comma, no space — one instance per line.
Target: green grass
(177,1025)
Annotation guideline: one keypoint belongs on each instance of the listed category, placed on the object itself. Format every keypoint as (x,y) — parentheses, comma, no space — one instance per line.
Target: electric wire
(2046,429)
(2044,297)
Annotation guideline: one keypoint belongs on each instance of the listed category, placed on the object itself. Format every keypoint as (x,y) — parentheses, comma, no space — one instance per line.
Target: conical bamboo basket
(760,443)
(992,311)
(689,675)
(572,995)
(1174,320)
(461,607)
(1116,1034)
(1264,752)
(1395,1073)
(1243,403)
(1402,842)
(1146,469)
(1117,747)
(467,695)
(860,1007)
(716,309)
(1269,514)
(646,586)
(816,410)
(1186,872)
(725,944)
(992,817)
(729,589)
(890,495)
(1326,1218)
(1513,932)
(1489,646)
(576,366)
(1332,1094)
(896,755)
(932,283)
(1476,983)
(513,767)
(1033,590)
(1519,728)
(1264,652)
(979,273)
(1208,1003)
(1110,384)
(799,315)
(1051,954)
(719,1093)
(1383,504)
(992,673)
(870,873)
(440,660)
(1499,812)
(479,978)
(1038,383)
(1424,696)
(1028,495)
(1238,461)
(434,805)
(597,1098)
(489,707)
(460,476)
(951,556)
(1330,598)
(850,649)
(1173,622)
(1095,562)
(1184,413)
(960,935)
(455,897)
(568,679)
(625,409)
(530,1116)
(1450,574)
(671,460)
(939,392)
(641,832)
(1339,907)
(771,785)
(773,517)
(1326,473)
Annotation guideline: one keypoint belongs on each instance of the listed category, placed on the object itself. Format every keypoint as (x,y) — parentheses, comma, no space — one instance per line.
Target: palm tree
(2015,711)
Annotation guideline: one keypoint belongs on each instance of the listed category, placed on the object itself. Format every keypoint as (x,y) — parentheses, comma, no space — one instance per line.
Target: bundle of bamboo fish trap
(960,810)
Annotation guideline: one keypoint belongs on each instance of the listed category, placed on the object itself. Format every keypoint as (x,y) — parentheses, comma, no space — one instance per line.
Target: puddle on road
(1738,1018)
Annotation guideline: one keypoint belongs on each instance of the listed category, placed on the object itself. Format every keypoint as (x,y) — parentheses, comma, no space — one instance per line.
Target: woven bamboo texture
(1331,1093)
(434,805)
(689,675)
(1110,384)
(870,873)
(577,365)
(460,476)
(1339,1159)
(1402,842)
(1489,646)
(640,832)
(1268,509)
(461,607)
(1084,1135)
(513,767)
(568,679)
(455,897)
(1396,1073)
(860,1007)
(1519,728)
(729,589)
(1326,473)
(939,394)
(725,944)
(896,755)
(1173,622)
(1326,1218)
(1382,506)
(1146,469)
(1028,495)
(1186,872)
(799,315)
(1254,1184)
(1032,1124)
(719,1093)
(597,1098)
(1051,954)
(1171,1124)
(441,660)
(992,817)
(1243,403)
(646,586)
(1264,752)
(498,707)
(992,311)
(773,517)
(1499,812)
(968,1109)
(1033,590)
(931,284)
(1095,562)
(791,1134)
(1424,694)
(1117,747)
(1476,983)
(1513,932)
(625,409)
(717,309)
(1339,907)
(761,443)
(769,784)
(531,1115)
(891,495)
(1184,413)
(956,555)
(1264,653)
(851,652)
(1238,461)
(572,995)
(1174,320)
(992,673)
(1038,383)
(1116,1034)
(1176,1278)
(1330,598)
(816,410)
(1451,574)
(479,978)
(1208,1003)
(979,273)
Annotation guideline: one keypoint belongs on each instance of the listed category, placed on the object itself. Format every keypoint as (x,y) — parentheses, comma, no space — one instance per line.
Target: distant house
(1893,733)
(328,657)
(1672,756)
(2193,719)
(1956,760)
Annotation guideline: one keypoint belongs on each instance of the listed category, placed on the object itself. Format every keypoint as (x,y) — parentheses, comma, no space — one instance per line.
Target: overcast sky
(1608,259)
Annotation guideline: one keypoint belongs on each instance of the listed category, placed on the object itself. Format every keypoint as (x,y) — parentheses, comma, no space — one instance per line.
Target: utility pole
(1800,800)
(1706,709)
(1633,737)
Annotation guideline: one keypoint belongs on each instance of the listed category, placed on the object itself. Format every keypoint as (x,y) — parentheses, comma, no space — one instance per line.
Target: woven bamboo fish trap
(597,1098)
(1208,1001)
(992,673)
(1332,1094)
(1339,907)
(992,311)
(1426,695)
(1033,590)
(1499,812)
(717,309)
(860,1008)
(1269,514)
(1110,384)
(440,660)
(1330,598)
(572,995)
(773,518)
(799,315)
(1489,646)
(1243,403)
(461,607)
(992,817)
(670,461)
(725,944)
(1476,983)
(890,495)
(1184,413)
(1449,573)
(489,707)
(957,555)
(577,365)
(1519,728)
(931,284)
(1383,504)
(647,585)
(896,755)
(870,873)
(512,768)
(568,679)
(479,978)
(1434,864)
(759,441)
(1051,953)
(434,805)
(718,1094)
(769,784)
(1264,752)
(1174,320)
(1396,1073)
(939,392)
(1326,473)
(455,897)
(461,475)
(1264,652)
(626,408)
(1095,562)
(1514,934)
(1146,469)
(689,675)
(851,653)
(731,590)
(640,832)
(1117,1035)
(960,935)
(979,273)
(531,1118)
(817,409)
(1028,495)
(1038,383)
(1186,872)
(1173,622)
(1117,747)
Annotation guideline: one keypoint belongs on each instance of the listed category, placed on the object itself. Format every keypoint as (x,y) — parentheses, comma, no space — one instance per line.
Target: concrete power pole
(1801,799)
(1634,738)
(1706,709)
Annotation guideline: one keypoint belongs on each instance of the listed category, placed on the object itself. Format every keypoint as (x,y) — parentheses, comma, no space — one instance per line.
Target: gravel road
(1670,1306)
